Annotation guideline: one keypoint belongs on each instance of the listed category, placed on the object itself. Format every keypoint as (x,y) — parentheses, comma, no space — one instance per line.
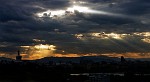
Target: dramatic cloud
(75,28)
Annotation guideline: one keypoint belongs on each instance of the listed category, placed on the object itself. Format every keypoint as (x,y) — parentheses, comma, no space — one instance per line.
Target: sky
(73,28)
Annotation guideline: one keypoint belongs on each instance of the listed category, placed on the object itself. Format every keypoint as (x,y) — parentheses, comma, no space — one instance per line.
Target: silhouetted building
(18,57)
(122,59)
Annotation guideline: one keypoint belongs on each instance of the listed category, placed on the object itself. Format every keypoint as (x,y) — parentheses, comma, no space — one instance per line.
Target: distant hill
(144,59)
(78,59)
(6,59)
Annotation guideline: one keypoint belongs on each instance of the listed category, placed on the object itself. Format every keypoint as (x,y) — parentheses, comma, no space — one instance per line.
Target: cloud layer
(71,32)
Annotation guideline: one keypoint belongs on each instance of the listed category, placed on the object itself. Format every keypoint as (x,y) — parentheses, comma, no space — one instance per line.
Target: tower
(18,57)
(123,59)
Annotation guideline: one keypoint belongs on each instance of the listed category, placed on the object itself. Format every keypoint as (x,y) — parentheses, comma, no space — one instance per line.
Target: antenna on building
(18,57)
(18,53)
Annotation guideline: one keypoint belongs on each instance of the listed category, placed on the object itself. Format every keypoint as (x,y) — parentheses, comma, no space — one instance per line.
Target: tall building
(18,57)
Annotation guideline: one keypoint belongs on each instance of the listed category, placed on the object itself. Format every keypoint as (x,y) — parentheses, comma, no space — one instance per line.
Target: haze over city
(74,28)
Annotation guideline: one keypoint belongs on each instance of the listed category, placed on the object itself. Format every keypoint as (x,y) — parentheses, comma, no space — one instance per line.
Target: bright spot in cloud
(101,35)
(38,40)
(78,8)
(110,35)
(79,2)
(38,51)
(59,13)
(144,35)
(147,40)
(45,47)
(79,36)
(50,13)
(115,36)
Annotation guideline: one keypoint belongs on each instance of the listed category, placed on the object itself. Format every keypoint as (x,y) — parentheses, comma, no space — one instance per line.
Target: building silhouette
(123,59)
(18,57)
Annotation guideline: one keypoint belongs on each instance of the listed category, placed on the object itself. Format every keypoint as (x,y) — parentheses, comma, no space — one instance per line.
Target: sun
(78,8)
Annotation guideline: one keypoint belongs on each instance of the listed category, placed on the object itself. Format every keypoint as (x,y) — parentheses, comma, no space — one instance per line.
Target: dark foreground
(29,71)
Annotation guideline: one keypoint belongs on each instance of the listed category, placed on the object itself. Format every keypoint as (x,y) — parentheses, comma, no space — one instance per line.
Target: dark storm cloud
(21,10)
(19,25)
(110,20)
(8,13)
(54,4)
(99,1)
(136,7)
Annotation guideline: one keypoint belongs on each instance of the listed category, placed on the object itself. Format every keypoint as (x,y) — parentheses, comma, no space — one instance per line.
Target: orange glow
(66,55)
(126,55)
(46,53)
(129,55)
(37,51)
